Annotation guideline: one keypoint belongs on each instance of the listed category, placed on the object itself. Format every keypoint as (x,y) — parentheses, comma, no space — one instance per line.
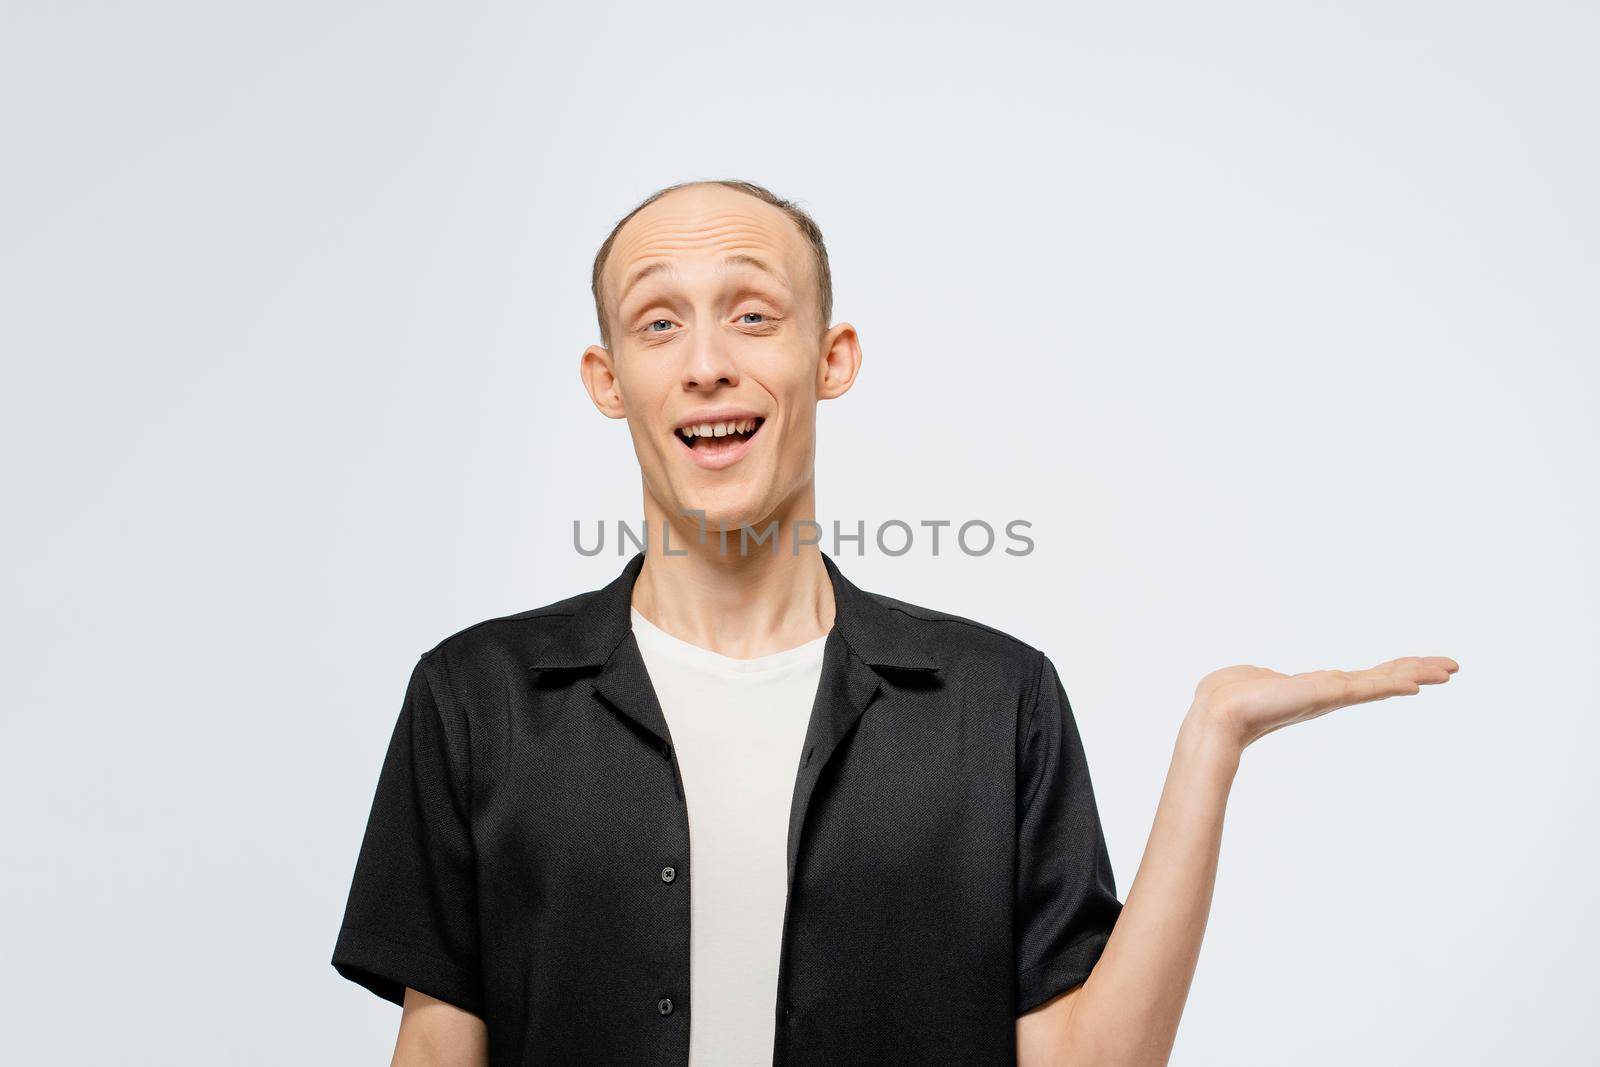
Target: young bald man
(884,811)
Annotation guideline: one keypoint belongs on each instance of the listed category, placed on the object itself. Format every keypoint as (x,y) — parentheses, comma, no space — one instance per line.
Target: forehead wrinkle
(733,232)
(662,222)
(736,261)
(648,243)
(691,221)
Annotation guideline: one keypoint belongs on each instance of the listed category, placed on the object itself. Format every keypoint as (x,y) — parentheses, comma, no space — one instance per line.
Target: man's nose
(710,363)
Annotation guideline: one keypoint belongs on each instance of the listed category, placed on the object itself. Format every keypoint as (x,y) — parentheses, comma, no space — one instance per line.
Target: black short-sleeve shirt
(527,852)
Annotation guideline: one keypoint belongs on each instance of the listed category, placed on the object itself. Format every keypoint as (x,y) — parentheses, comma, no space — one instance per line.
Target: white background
(1276,320)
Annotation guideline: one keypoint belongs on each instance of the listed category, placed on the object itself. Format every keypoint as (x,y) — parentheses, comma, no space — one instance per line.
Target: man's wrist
(1206,737)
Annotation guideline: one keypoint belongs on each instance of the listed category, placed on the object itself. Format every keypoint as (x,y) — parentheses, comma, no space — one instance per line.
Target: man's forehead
(681,227)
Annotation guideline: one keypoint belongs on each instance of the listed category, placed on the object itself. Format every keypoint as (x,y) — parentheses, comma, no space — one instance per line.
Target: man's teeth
(718,429)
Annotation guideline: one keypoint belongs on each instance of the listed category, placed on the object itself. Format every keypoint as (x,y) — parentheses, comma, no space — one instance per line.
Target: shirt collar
(879,635)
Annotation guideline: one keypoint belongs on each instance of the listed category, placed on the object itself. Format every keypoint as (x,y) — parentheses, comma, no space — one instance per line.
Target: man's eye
(651,327)
(757,314)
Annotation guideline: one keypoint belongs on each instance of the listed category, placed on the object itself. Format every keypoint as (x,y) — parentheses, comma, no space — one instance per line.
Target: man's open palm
(1251,702)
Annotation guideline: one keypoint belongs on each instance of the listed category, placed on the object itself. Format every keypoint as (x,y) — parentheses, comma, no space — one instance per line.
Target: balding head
(607,288)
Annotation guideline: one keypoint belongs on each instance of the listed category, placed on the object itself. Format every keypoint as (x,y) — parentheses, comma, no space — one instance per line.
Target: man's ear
(600,378)
(841,359)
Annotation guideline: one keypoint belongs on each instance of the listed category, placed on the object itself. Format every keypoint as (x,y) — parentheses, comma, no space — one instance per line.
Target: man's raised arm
(1127,1012)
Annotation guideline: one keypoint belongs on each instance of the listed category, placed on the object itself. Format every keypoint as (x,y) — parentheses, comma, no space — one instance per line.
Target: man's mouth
(719,438)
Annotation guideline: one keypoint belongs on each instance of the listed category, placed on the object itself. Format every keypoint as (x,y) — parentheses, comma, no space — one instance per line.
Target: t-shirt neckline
(658,640)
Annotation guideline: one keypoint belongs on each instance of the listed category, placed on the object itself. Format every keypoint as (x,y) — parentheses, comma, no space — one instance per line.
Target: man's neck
(738,601)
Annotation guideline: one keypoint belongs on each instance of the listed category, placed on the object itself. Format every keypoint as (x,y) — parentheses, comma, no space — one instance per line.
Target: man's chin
(722,520)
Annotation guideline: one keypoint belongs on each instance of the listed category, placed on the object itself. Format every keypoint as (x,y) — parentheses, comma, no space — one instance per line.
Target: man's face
(718,356)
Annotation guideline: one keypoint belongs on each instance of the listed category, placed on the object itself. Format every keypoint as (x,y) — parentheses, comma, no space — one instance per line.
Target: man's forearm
(1127,1012)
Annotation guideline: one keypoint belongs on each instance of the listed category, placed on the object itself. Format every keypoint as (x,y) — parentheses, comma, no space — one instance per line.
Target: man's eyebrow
(740,259)
(666,266)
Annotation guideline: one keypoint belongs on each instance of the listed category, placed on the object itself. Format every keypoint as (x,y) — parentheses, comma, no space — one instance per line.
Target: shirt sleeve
(411,917)
(1066,899)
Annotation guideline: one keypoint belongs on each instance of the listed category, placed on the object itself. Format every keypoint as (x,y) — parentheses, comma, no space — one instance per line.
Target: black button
(664,1005)
(668,874)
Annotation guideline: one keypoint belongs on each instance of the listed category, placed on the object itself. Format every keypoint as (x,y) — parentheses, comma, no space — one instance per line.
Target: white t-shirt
(737,727)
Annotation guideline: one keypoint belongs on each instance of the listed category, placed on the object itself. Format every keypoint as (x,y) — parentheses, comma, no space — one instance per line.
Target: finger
(1424,670)
(1366,686)
(1338,689)
(1330,689)
(1449,665)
